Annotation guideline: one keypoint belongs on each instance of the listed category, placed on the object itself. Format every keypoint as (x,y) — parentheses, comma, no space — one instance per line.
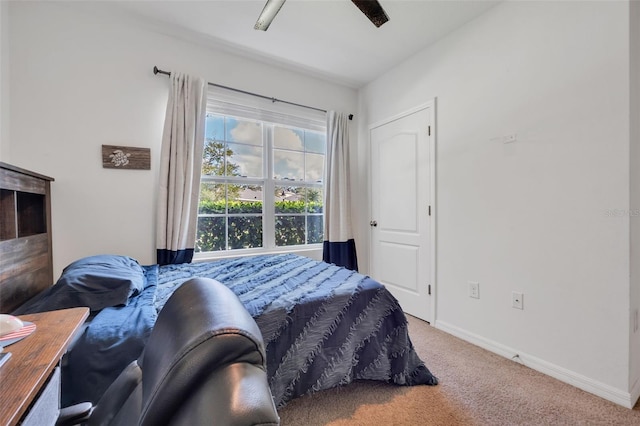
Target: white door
(402,249)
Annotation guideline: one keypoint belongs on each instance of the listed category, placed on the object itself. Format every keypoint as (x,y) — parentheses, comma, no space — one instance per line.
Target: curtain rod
(156,70)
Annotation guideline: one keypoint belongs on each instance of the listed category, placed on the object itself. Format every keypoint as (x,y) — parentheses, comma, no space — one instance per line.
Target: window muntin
(241,207)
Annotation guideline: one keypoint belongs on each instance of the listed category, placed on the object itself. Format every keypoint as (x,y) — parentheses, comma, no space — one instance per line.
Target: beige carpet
(476,387)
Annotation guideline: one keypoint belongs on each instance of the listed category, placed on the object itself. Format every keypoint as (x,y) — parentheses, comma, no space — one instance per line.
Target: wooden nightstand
(30,379)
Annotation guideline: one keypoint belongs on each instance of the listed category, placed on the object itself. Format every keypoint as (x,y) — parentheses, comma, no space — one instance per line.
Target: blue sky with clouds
(293,148)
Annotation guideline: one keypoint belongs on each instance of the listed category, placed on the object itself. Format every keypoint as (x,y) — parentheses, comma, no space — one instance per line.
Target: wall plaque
(126,157)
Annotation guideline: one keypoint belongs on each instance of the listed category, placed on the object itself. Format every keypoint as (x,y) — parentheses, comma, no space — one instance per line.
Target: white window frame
(221,102)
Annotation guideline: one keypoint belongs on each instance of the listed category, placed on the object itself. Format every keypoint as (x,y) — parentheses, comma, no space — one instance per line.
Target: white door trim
(431,106)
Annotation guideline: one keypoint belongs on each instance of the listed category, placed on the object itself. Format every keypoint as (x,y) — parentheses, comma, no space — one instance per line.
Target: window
(262,181)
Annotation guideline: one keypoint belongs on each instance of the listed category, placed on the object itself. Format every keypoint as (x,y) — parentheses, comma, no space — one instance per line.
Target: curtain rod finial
(155,69)
(350,116)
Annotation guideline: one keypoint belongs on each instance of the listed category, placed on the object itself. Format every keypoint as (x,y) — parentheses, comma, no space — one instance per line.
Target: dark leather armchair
(204,364)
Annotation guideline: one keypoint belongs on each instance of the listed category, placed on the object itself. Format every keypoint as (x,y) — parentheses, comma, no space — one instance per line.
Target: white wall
(530,216)
(80,80)
(4,81)
(634,305)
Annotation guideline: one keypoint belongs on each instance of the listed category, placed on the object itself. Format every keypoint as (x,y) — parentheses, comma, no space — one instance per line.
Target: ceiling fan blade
(373,10)
(270,10)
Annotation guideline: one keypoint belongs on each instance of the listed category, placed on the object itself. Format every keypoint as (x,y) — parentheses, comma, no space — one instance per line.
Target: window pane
(214,127)
(245,198)
(231,210)
(290,199)
(288,165)
(286,138)
(244,160)
(314,229)
(248,132)
(213,158)
(315,142)
(315,200)
(245,232)
(315,168)
(212,198)
(211,234)
(289,230)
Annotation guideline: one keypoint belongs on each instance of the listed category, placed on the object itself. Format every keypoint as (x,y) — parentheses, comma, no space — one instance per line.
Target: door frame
(431,106)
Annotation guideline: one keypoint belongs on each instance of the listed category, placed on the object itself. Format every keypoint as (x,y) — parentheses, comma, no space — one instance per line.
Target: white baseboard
(618,396)
(635,392)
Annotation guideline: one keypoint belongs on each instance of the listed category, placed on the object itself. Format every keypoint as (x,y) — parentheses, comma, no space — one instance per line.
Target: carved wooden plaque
(126,157)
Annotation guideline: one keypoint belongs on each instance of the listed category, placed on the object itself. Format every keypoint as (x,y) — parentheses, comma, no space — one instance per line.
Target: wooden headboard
(26,262)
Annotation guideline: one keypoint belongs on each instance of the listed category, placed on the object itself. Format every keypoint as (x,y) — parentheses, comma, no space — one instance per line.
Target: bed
(323,325)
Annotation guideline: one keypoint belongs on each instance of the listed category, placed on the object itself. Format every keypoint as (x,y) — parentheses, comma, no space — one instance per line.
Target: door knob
(373,223)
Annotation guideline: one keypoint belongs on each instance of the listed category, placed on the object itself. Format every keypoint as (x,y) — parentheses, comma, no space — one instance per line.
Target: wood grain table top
(34,358)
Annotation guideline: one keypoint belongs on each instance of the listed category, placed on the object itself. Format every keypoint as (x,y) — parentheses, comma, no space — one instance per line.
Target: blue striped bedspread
(323,325)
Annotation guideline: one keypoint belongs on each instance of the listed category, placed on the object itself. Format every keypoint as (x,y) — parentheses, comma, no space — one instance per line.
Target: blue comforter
(323,326)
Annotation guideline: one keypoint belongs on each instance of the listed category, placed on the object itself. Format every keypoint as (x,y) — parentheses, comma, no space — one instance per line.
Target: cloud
(288,165)
(246,132)
(288,139)
(248,158)
(289,156)
(315,168)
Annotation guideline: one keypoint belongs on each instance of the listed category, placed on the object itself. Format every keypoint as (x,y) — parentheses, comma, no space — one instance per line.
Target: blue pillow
(95,282)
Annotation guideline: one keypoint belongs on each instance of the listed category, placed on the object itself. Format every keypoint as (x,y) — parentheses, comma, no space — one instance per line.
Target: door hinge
(429,130)
(429,289)
(429,210)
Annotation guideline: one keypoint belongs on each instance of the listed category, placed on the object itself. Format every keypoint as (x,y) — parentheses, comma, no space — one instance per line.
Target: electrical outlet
(474,290)
(517,300)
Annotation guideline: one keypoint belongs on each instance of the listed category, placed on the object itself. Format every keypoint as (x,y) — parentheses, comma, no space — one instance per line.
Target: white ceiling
(331,39)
